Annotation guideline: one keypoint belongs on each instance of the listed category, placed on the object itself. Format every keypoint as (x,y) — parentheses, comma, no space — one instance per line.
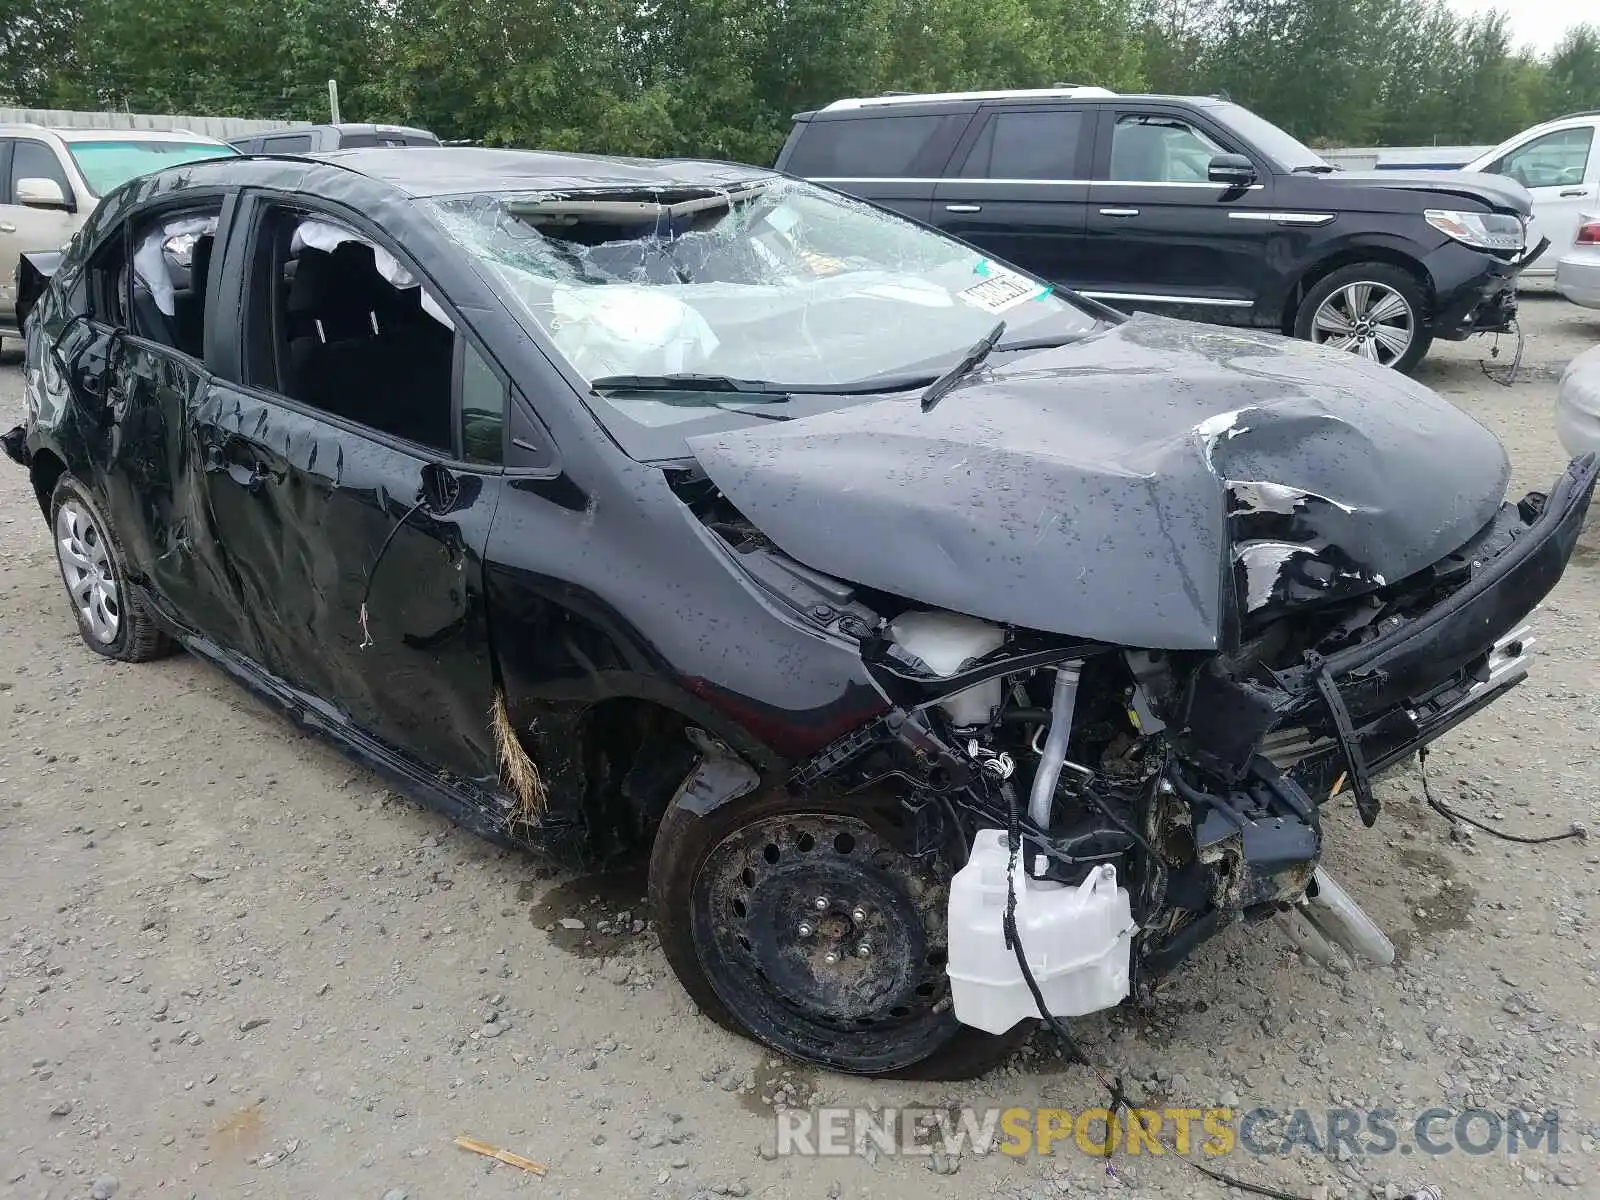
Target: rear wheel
(1373,310)
(799,922)
(111,620)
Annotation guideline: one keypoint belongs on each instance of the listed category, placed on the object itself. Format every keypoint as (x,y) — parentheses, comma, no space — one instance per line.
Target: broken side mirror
(1233,170)
(34,192)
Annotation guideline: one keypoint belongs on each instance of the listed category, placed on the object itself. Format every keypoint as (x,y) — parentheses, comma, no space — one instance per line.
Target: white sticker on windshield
(1001,289)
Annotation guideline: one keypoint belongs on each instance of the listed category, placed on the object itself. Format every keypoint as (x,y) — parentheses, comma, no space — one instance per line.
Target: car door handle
(1575,192)
(963,208)
(1119,212)
(7,227)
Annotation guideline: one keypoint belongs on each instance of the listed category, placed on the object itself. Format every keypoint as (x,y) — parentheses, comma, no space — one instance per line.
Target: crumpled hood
(1137,487)
(1495,191)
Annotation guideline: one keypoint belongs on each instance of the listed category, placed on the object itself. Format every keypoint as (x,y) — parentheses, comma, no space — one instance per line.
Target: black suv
(1192,206)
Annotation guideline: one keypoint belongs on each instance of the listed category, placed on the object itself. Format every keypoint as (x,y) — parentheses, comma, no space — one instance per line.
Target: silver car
(1578,272)
(1578,404)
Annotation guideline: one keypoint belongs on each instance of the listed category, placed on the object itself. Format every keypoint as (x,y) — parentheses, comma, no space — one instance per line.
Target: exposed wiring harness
(366,592)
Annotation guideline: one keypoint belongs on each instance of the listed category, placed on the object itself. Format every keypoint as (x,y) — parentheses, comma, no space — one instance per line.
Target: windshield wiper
(687,382)
(969,361)
(1314,169)
(1047,342)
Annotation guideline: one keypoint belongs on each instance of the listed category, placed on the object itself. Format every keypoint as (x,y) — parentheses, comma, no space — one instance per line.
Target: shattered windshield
(771,282)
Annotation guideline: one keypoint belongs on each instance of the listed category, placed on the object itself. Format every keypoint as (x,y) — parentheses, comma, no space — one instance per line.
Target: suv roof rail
(1585,112)
(1065,92)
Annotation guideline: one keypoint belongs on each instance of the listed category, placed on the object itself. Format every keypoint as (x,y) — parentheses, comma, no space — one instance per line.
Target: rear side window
(1027,145)
(878,147)
(358,141)
(297,143)
(171,268)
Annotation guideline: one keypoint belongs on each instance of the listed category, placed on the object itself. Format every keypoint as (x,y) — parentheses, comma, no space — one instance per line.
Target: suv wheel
(1371,309)
(111,620)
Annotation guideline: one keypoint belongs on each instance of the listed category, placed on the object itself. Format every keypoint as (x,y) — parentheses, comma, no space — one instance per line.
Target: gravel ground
(233,965)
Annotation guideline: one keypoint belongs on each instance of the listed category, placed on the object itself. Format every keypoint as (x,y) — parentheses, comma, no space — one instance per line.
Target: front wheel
(799,922)
(1370,309)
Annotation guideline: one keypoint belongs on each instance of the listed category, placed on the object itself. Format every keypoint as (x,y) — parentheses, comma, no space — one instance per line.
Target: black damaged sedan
(958,650)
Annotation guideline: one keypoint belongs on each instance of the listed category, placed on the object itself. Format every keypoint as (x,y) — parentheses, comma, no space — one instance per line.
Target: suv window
(294,143)
(1559,159)
(1027,145)
(334,321)
(357,141)
(877,147)
(35,160)
(1155,148)
(171,268)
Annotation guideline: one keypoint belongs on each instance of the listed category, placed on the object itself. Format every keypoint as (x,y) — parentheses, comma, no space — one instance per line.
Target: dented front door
(359,566)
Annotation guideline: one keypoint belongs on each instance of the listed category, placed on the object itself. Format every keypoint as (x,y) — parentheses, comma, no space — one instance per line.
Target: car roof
(421,171)
(891,100)
(111,135)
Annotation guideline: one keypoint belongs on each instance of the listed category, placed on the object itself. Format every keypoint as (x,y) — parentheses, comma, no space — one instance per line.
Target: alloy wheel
(1366,318)
(86,567)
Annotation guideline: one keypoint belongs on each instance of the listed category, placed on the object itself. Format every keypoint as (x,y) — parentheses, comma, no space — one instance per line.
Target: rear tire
(112,620)
(1374,310)
(735,893)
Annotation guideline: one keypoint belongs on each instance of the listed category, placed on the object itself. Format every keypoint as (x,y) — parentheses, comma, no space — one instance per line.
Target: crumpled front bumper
(1406,688)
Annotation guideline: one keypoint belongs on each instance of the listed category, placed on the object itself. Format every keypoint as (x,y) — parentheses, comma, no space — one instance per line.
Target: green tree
(1572,80)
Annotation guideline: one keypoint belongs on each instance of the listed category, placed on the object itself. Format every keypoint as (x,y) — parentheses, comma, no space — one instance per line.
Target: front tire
(1371,309)
(797,921)
(111,620)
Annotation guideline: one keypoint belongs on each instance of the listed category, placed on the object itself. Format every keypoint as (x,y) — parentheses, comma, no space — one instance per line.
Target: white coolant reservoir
(944,641)
(1078,941)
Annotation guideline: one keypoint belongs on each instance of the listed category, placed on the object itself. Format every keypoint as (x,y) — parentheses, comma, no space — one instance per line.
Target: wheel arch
(1349,256)
(44,469)
(612,767)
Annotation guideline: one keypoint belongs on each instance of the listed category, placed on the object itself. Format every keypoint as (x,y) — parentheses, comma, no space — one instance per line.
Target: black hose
(1577,831)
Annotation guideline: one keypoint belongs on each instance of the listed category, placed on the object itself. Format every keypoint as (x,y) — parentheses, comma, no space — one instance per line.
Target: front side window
(35,160)
(1152,148)
(171,269)
(1026,145)
(1559,159)
(646,291)
(108,164)
(335,322)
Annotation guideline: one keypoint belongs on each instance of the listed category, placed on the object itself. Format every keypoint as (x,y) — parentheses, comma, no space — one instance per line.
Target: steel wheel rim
(1366,318)
(765,926)
(86,567)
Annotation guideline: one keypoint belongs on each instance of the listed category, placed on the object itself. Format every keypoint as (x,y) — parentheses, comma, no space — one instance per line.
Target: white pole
(333,99)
